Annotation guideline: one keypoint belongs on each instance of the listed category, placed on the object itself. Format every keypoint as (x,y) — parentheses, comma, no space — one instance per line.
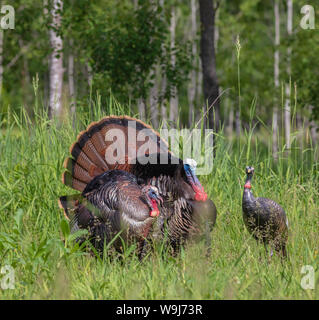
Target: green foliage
(35,238)
(252,21)
(305,55)
(123,43)
(26,50)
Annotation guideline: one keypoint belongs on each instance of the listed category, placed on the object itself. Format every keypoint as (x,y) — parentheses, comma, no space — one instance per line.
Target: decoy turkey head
(190,168)
(154,199)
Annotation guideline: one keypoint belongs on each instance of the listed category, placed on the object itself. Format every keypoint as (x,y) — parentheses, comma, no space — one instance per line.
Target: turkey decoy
(116,142)
(111,204)
(264,218)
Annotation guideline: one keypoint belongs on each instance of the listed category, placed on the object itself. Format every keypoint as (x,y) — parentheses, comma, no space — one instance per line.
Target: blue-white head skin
(190,170)
(154,198)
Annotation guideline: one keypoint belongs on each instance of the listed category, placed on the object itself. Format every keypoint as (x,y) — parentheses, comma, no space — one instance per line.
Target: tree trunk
(211,89)
(162,104)
(276,80)
(46,77)
(1,63)
(192,86)
(141,108)
(25,62)
(299,121)
(199,89)
(163,84)
(314,134)
(141,101)
(275,133)
(313,130)
(216,31)
(153,95)
(56,61)
(89,73)
(173,101)
(25,75)
(216,39)
(154,99)
(71,80)
(287,113)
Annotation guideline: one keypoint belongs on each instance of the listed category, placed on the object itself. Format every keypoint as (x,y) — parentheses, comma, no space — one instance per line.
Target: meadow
(35,238)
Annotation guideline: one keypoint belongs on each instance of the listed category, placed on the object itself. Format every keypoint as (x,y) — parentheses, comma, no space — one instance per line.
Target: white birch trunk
(298,121)
(163,105)
(154,99)
(163,82)
(56,61)
(141,108)
(89,74)
(46,75)
(153,95)
(71,79)
(287,113)
(192,86)
(276,80)
(141,103)
(173,102)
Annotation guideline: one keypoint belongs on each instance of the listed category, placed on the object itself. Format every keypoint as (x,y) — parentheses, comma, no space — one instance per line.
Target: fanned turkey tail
(95,150)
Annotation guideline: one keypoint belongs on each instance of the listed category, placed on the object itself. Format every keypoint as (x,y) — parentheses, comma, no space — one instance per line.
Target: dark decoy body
(264,218)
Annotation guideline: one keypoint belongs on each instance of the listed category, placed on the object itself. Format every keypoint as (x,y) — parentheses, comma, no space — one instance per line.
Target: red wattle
(247,186)
(155,212)
(200,194)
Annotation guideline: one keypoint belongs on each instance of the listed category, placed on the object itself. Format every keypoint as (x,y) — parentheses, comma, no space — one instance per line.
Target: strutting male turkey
(113,203)
(128,144)
(264,218)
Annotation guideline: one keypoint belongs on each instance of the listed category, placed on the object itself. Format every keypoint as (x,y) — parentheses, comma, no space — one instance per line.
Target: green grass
(32,227)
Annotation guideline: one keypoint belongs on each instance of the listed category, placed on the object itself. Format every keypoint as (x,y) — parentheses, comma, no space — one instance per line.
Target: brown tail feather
(70,181)
(88,148)
(80,173)
(81,158)
(92,151)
